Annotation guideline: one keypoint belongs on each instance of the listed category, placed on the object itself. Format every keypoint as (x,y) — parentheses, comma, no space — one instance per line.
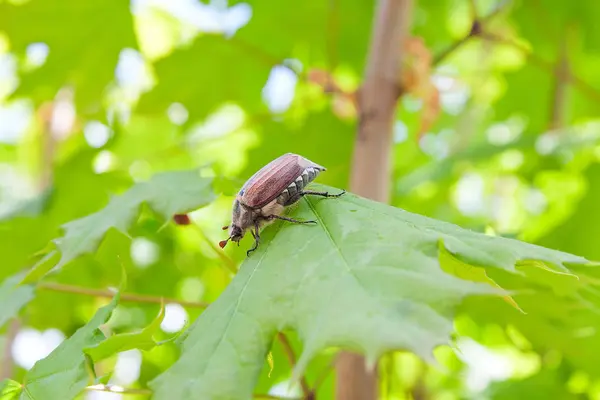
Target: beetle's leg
(256,237)
(295,221)
(299,195)
(324,194)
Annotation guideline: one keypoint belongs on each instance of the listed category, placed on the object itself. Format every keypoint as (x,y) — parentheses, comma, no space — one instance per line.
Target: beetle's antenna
(223,243)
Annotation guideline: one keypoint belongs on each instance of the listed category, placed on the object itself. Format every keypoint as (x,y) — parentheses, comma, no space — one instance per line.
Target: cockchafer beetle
(268,192)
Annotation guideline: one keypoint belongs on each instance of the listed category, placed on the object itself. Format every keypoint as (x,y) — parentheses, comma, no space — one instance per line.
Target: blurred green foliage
(98,97)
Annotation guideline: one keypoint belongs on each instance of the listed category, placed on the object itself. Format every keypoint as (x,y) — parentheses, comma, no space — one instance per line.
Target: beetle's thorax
(243,217)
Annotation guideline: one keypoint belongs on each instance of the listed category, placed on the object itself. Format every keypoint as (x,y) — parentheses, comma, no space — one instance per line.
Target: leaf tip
(370,362)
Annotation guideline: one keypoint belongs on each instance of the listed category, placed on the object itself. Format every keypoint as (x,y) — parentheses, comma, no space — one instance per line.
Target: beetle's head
(235,235)
(242,218)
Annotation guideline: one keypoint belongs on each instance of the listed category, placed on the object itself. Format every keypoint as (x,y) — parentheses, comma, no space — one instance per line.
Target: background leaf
(13,297)
(84,235)
(97,98)
(63,373)
(127,341)
(9,389)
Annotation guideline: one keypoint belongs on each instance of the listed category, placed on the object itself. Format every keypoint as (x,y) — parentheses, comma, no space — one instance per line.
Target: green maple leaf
(126,341)
(366,278)
(166,193)
(13,297)
(9,389)
(63,374)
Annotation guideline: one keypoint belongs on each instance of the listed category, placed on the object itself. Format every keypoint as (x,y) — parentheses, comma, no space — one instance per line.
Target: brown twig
(475,31)
(591,92)
(255,51)
(450,49)
(478,30)
(333,28)
(148,392)
(271,397)
(132,297)
(289,352)
(119,389)
(7,366)
(227,261)
(372,159)
(559,97)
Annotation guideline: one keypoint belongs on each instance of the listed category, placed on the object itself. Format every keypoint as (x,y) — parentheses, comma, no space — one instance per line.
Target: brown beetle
(265,195)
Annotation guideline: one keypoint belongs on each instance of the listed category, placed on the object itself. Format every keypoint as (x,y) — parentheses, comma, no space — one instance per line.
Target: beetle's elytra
(265,195)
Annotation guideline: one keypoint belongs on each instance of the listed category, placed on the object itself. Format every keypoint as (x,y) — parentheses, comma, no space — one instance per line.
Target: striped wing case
(272,179)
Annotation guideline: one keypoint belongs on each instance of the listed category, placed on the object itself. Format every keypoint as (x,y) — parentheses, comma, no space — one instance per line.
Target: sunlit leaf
(126,341)
(367,277)
(45,264)
(63,373)
(13,297)
(9,389)
(167,194)
(468,272)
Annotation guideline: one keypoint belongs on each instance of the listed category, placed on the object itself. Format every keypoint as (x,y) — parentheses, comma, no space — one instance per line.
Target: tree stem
(132,297)
(289,352)
(372,165)
(561,85)
(7,366)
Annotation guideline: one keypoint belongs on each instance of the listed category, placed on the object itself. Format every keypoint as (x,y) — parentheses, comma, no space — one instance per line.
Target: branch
(119,390)
(372,163)
(559,99)
(289,352)
(148,392)
(272,397)
(377,99)
(591,92)
(48,146)
(6,368)
(132,297)
(258,52)
(229,263)
(333,27)
(476,30)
